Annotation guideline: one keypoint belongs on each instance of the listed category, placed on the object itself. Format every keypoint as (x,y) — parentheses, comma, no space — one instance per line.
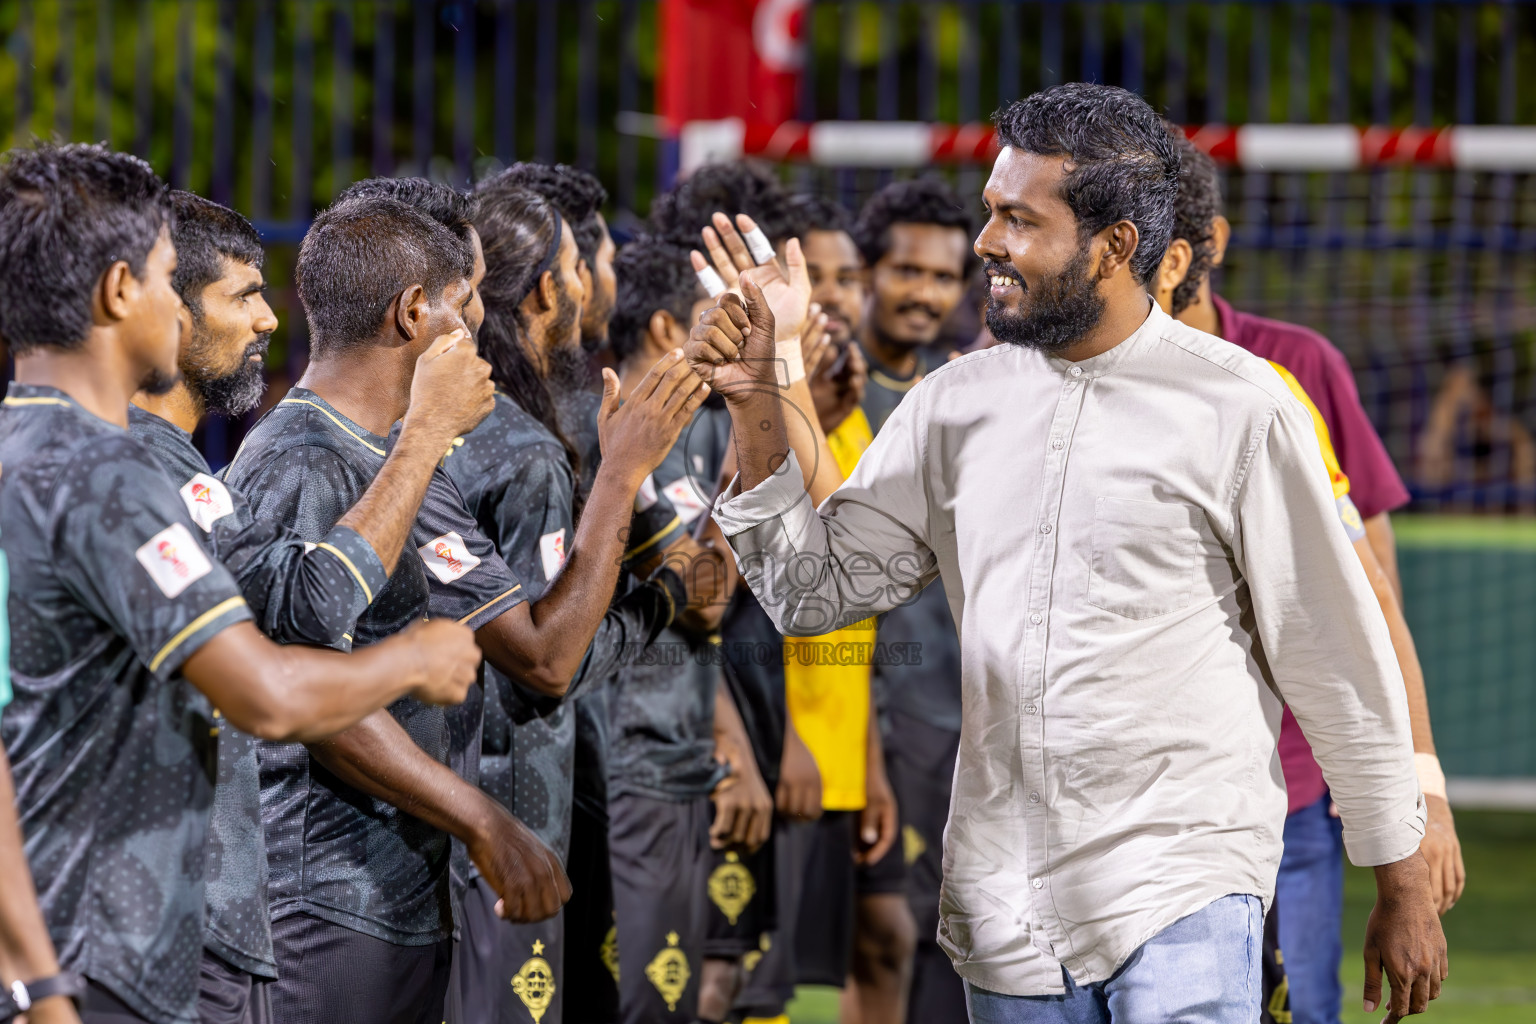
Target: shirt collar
(1107,362)
(23,395)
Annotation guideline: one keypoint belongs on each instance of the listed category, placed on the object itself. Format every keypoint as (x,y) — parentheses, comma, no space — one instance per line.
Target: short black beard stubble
(233,394)
(1061,310)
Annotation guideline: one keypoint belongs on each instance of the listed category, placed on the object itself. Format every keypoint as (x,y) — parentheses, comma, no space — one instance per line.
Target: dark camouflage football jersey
(112,750)
(517,482)
(926,687)
(333,851)
(299,593)
(662,706)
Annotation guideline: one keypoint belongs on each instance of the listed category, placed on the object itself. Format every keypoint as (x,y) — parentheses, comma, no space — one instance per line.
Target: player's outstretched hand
(1442,851)
(522,870)
(443,657)
(787,286)
(452,390)
(636,435)
(1403,940)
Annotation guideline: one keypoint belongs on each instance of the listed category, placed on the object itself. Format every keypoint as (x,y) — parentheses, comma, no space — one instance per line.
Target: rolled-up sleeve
(1325,641)
(864,552)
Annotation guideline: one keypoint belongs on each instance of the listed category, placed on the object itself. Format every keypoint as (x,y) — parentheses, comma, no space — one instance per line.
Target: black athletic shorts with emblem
(658,851)
(741,900)
(505,973)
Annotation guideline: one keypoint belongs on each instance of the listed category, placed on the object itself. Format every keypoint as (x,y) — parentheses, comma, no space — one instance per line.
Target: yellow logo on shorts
(912,844)
(534,983)
(609,952)
(731,887)
(752,959)
(669,972)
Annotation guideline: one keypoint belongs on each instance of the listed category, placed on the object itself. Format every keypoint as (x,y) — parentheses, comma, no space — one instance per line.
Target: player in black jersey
(517,477)
(117,607)
(299,592)
(325,438)
(678,744)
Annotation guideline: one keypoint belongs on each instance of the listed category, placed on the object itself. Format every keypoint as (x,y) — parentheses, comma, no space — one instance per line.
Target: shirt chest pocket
(1144,556)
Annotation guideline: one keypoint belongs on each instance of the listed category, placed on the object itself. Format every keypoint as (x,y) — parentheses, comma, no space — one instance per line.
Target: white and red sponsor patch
(173,559)
(207,500)
(685,497)
(448,557)
(552,551)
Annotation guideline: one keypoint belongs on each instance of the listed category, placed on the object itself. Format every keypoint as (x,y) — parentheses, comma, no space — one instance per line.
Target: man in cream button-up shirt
(1142,553)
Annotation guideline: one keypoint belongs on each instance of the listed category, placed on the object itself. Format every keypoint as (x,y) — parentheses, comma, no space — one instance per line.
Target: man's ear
(1221,234)
(1172,271)
(411,311)
(1120,241)
(665,332)
(546,291)
(116,291)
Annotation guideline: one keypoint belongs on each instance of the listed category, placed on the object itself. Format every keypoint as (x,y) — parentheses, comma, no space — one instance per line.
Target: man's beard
(568,365)
(228,394)
(1057,312)
(157,383)
(594,336)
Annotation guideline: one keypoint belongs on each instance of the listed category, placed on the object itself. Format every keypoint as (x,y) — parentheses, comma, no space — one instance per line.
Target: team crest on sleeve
(448,557)
(646,496)
(173,559)
(207,500)
(685,498)
(534,983)
(552,551)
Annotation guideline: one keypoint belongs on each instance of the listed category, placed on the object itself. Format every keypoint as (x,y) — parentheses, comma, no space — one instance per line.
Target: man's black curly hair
(1121,162)
(67,214)
(740,186)
(578,195)
(445,204)
(1195,216)
(917,201)
(812,211)
(205,234)
(653,274)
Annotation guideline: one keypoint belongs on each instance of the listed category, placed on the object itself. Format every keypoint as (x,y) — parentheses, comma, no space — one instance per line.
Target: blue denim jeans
(1309,897)
(1202,969)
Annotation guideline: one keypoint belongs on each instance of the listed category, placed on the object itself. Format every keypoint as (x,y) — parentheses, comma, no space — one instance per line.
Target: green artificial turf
(1492,933)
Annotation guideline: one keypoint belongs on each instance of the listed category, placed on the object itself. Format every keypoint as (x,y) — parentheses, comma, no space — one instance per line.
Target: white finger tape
(710,279)
(757,244)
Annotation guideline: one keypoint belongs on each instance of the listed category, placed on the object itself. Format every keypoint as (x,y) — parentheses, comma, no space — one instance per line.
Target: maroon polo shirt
(1374,484)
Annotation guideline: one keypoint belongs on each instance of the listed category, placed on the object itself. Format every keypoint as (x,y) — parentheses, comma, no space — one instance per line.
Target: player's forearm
(806,437)
(543,644)
(386,511)
(760,437)
(1402,646)
(298,694)
(26,951)
(378,757)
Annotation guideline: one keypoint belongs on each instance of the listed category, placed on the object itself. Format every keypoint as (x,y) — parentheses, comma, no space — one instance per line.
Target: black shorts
(920,762)
(658,851)
(770,981)
(493,956)
(328,974)
(228,995)
(99,1006)
(740,900)
(591,938)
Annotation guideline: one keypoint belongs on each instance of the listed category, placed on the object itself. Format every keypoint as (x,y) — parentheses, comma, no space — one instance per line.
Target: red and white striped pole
(1252,147)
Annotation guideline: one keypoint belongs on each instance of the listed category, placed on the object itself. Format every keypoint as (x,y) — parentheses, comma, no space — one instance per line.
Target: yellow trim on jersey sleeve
(227,605)
(826,678)
(1324,440)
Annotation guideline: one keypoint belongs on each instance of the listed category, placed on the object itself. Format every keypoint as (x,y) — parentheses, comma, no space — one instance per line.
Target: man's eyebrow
(1005,206)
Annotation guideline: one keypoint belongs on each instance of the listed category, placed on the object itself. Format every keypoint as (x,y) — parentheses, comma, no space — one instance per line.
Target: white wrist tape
(788,354)
(710,279)
(757,245)
(1431,777)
